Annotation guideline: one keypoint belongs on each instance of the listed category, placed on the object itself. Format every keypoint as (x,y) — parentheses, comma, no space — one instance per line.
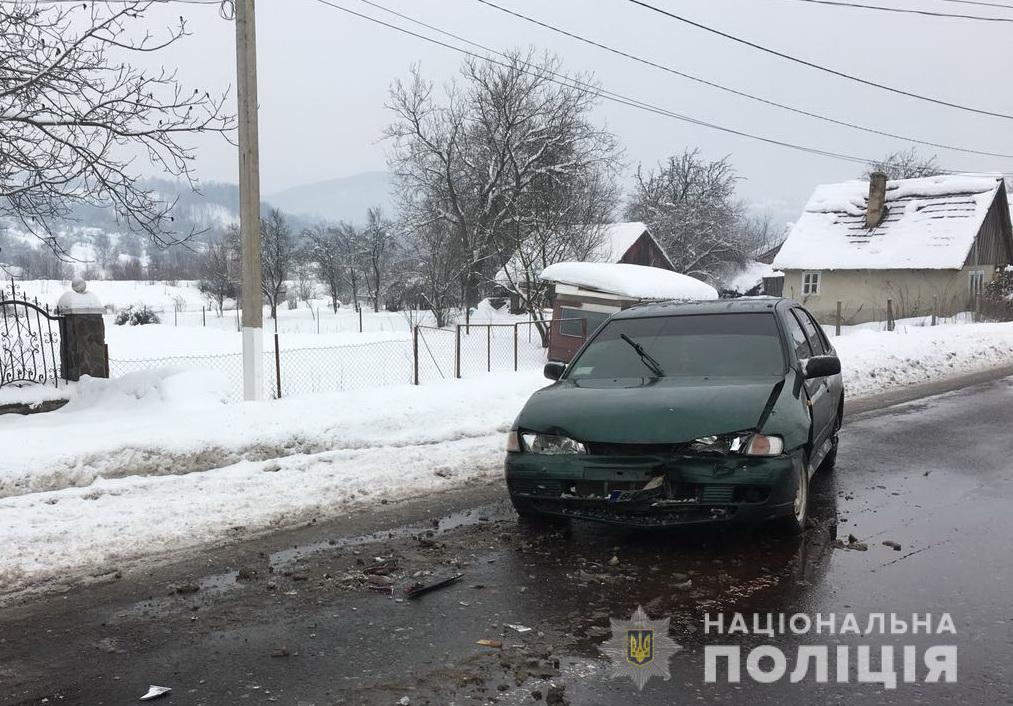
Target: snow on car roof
(931,223)
(629,281)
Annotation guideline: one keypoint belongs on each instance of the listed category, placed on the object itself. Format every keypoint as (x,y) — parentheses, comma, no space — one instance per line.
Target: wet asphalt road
(291,618)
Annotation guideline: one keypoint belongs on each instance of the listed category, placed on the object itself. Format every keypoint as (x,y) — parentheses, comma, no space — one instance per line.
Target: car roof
(741,305)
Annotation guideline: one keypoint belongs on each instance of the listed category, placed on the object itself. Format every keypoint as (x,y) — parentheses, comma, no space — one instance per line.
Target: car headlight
(550,444)
(747,444)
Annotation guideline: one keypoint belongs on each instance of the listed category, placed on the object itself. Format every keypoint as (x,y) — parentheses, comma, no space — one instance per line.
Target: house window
(976,282)
(811,283)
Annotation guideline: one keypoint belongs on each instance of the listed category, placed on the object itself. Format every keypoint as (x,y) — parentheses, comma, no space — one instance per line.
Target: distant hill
(344,199)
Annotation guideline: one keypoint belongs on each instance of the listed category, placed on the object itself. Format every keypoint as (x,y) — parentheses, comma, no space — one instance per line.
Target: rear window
(700,345)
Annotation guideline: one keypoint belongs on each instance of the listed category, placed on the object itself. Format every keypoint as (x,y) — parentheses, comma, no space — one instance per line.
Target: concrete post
(82,334)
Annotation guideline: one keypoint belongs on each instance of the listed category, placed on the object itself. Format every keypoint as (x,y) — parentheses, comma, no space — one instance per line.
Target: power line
(596,91)
(818,67)
(980,4)
(733,91)
(904,10)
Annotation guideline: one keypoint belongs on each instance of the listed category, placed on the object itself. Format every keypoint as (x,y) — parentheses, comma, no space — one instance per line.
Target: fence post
(837,327)
(935,309)
(889,315)
(488,348)
(204,316)
(360,322)
(467,320)
(277,366)
(238,326)
(175,315)
(515,348)
(977,307)
(415,353)
(457,351)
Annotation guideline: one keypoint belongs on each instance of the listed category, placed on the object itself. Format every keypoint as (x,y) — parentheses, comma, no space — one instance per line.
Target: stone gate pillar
(82,333)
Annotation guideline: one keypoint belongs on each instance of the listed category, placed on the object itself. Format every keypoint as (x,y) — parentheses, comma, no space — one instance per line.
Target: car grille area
(631,493)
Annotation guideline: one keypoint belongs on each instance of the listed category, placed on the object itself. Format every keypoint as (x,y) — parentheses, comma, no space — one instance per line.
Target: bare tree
(438,271)
(469,161)
(324,251)
(278,255)
(74,117)
(905,164)
(562,219)
(103,246)
(378,250)
(689,204)
(220,270)
(351,248)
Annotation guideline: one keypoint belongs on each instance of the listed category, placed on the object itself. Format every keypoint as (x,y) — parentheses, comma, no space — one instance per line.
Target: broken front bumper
(654,491)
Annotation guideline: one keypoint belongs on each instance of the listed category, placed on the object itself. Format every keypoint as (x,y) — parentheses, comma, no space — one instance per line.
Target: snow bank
(630,281)
(155,463)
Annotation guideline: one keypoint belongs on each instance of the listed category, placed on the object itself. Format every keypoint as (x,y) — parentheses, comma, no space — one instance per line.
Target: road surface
(292,619)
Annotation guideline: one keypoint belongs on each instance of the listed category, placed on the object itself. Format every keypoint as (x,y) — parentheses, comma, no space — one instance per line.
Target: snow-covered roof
(628,281)
(616,240)
(749,277)
(931,223)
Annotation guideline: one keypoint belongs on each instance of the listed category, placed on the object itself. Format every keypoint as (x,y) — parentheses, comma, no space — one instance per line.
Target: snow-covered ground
(157,463)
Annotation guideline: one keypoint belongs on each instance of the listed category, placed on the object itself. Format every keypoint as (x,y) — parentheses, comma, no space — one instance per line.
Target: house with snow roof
(626,243)
(924,244)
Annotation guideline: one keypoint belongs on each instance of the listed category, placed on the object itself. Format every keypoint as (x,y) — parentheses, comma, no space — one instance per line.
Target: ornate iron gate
(29,341)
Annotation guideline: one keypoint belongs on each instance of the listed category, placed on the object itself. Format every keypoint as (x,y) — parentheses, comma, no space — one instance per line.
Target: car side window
(798,339)
(827,348)
(815,342)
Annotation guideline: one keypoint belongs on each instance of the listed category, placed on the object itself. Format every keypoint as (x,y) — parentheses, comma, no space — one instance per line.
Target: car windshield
(695,345)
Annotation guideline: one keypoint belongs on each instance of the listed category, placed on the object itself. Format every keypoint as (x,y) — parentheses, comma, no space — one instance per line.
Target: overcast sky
(324,76)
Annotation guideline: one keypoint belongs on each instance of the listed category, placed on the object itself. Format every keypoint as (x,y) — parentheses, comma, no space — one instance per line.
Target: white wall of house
(864,293)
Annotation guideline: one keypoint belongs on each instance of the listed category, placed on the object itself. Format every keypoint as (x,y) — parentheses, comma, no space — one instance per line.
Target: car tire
(531,516)
(831,458)
(830,461)
(795,522)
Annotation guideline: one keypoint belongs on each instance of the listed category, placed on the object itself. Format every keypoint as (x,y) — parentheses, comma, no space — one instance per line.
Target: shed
(587,293)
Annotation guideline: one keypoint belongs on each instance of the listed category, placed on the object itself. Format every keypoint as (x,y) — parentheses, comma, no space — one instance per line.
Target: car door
(824,404)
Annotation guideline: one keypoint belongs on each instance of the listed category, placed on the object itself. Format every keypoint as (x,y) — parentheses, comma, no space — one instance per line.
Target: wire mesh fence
(430,354)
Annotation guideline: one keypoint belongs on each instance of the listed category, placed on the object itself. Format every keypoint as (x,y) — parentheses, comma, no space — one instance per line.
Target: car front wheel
(794,523)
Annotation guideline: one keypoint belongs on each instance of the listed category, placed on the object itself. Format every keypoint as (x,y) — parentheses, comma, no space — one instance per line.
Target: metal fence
(430,354)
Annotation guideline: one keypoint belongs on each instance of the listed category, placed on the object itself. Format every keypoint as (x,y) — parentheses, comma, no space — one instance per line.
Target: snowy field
(157,463)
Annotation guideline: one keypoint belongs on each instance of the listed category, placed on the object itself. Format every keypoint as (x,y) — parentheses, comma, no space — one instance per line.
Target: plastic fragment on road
(418,588)
(154,692)
(518,628)
(490,643)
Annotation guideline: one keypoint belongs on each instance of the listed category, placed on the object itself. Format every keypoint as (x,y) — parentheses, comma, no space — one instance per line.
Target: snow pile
(930,223)
(165,390)
(630,281)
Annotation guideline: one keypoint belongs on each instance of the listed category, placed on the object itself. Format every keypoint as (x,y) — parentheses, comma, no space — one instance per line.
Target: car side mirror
(554,370)
(821,366)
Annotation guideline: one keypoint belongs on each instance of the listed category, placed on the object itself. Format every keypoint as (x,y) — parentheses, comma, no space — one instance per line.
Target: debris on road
(383,567)
(490,643)
(518,628)
(893,545)
(154,692)
(852,543)
(283,652)
(418,588)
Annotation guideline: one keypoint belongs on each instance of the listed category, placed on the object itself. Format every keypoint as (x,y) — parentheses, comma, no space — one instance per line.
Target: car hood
(631,411)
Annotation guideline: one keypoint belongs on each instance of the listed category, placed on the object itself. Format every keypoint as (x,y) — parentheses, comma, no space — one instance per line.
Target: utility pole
(249,201)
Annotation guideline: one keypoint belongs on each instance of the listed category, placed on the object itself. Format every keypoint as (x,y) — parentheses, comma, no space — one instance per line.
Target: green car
(683,413)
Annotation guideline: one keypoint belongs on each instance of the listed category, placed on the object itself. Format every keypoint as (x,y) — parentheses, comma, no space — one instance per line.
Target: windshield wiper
(645,357)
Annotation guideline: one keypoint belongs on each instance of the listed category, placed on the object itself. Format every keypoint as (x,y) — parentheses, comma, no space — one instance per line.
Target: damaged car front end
(671,449)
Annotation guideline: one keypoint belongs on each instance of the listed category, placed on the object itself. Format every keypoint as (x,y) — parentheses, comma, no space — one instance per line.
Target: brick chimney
(877,200)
